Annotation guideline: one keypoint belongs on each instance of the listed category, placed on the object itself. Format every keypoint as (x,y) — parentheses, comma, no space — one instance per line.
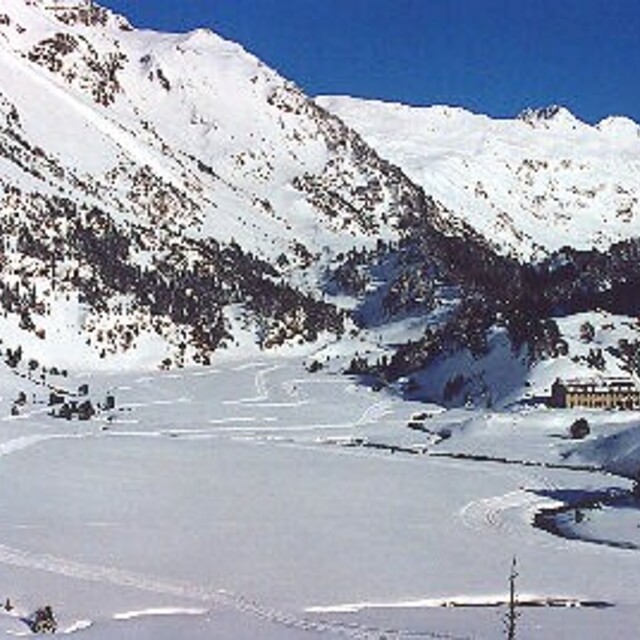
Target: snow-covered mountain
(167,196)
(531,185)
(171,193)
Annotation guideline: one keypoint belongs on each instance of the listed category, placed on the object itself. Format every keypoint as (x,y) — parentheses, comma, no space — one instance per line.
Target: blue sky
(490,56)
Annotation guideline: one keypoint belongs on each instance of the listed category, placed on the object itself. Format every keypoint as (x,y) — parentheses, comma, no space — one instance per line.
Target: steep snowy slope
(188,122)
(531,185)
(169,190)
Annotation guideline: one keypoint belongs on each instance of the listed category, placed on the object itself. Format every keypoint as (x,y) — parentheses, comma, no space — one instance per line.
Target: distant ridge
(529,185)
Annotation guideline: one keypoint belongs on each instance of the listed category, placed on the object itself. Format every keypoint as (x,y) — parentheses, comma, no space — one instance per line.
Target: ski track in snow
(511,513)
(508,515)
(122,578)
(260,384)
(78,625)
(123,139)
(248,365)
(25,442)
(374,413)
(212,597)
(155,403)
(492,513)
(160,611)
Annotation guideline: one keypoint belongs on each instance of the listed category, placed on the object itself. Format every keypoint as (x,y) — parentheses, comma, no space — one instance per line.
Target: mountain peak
(620,127)
(550,114)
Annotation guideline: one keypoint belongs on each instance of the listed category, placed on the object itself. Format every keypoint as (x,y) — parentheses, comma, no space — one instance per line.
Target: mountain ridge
(524,183)
(140,160)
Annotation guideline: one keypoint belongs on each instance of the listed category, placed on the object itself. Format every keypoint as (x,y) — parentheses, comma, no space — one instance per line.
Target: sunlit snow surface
(241,502)
(530,185)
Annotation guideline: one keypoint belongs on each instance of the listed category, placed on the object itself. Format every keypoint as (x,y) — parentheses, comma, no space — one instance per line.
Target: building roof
(600,384)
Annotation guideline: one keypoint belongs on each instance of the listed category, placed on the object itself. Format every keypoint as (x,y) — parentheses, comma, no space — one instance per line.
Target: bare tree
(512,614)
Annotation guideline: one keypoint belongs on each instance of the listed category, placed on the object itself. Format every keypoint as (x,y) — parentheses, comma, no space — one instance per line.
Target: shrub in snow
(596,360)
(314,366)
(42,621)
(587,332)
(579,429)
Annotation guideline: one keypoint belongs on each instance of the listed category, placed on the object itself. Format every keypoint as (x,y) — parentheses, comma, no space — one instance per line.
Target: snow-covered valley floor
(257,501)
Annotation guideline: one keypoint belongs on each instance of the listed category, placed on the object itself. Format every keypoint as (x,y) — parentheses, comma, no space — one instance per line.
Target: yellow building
(596,393)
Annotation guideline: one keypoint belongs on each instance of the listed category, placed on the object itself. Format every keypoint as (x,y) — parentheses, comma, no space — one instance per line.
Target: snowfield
(256,500)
